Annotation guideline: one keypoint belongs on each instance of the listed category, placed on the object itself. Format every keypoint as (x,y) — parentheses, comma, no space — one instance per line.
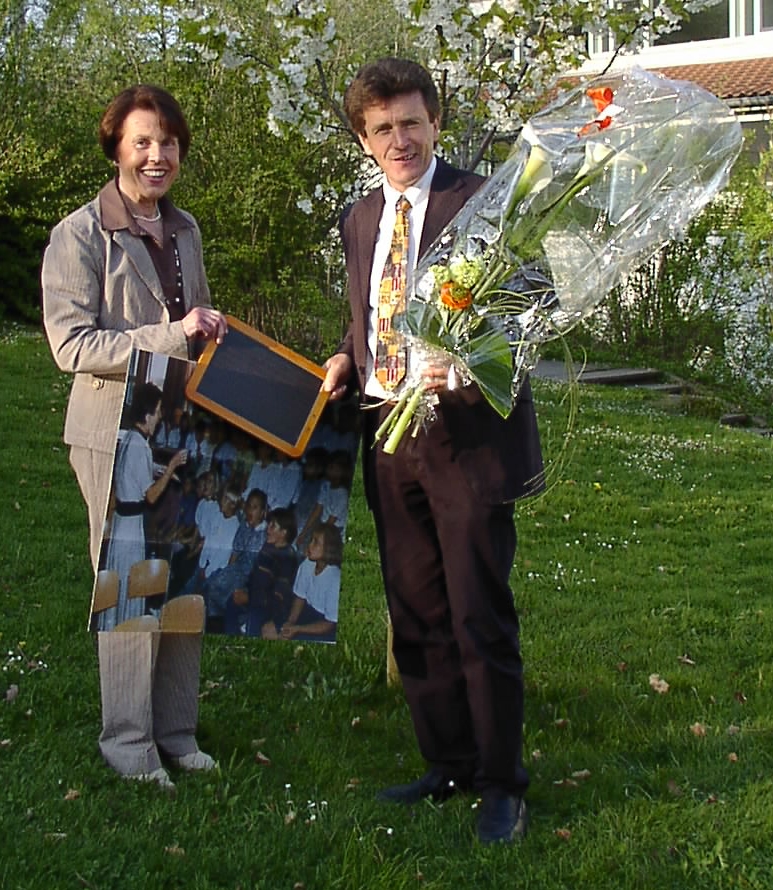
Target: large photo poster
(209,527)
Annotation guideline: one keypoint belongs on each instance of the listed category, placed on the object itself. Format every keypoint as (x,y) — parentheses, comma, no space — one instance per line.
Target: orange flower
(601,98)
(455,296)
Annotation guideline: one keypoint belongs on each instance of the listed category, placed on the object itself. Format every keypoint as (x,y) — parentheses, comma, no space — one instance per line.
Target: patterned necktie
(391,350)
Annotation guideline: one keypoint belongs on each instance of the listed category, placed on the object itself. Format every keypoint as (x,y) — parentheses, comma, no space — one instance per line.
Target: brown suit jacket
(101,297)
(501,459)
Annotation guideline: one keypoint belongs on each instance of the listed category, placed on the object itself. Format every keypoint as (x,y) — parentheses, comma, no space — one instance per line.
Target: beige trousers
(93,470)
(149,681)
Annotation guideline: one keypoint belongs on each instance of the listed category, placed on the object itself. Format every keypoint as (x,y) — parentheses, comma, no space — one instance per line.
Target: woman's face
(148,158)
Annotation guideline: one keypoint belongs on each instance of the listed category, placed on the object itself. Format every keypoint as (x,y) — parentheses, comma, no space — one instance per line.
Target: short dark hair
(384,79)
(149,98)
(342,459)
(145,399)
(284,517)
(260,495)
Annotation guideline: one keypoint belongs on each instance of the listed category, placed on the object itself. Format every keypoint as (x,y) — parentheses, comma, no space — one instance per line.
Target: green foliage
(284,304)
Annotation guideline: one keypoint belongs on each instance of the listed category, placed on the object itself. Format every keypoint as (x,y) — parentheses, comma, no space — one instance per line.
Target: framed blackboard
(261,386)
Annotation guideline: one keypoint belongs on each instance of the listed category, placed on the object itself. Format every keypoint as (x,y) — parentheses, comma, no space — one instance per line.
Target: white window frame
(600,43)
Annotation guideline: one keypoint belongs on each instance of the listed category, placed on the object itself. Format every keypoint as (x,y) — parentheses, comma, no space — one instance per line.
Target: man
(443,503)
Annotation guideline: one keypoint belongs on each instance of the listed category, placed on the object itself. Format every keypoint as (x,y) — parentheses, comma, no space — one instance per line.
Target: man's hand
(437,377)
(339,369)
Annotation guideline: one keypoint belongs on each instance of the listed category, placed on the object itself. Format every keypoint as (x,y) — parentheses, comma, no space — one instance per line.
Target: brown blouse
(165,255)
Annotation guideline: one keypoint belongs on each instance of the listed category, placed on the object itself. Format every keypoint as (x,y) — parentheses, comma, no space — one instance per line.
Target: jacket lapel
(366,229)
(138,256)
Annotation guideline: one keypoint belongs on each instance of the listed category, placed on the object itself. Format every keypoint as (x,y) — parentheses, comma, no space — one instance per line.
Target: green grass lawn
(643,580)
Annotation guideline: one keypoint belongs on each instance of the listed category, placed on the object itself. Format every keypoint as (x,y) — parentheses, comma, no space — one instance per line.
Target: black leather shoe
(502,818)
(433,785)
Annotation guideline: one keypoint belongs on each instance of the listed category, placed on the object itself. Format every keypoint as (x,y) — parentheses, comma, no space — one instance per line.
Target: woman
(126,270)
(134,487)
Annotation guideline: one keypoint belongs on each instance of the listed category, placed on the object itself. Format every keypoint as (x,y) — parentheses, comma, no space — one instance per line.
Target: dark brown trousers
(446,559)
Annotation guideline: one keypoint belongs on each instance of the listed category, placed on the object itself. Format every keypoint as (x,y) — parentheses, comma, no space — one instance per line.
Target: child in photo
(247,544)
(332,505)
(314,610)
(261,607)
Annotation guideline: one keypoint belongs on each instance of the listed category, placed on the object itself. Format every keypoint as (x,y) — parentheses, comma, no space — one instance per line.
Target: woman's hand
(206,323)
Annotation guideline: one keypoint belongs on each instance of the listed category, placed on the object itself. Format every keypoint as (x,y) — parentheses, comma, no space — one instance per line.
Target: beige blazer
(101,297)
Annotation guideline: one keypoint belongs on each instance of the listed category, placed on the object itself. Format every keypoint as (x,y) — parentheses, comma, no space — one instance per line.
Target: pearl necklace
(155,218)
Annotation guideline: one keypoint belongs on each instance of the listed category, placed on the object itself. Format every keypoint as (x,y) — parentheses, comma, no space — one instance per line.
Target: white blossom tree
(273,160)
(494,60)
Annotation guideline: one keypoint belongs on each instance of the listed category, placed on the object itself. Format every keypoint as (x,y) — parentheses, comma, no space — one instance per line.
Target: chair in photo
(149,577)
(184,615)
(105,591)
(140,623)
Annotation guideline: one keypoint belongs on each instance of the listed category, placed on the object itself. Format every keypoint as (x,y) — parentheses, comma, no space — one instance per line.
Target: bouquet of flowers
(596,183)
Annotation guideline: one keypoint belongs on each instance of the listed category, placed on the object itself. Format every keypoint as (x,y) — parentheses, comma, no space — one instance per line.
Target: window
(766,15)
(728,18)
(709,24)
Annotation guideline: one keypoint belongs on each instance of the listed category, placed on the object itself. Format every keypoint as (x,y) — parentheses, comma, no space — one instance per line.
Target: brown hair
(332,543)
(384,79)
(148,98)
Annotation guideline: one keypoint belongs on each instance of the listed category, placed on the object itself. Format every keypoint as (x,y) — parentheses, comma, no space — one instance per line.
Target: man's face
(154,419)
(400,137)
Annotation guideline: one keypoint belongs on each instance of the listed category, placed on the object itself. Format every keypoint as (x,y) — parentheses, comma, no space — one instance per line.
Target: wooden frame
(259,385)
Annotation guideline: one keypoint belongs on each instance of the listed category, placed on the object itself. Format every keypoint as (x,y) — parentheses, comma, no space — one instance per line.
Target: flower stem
(406,415)
(391,419)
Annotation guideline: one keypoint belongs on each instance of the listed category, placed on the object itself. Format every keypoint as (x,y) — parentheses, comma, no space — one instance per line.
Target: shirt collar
(115,215)
(415,193)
